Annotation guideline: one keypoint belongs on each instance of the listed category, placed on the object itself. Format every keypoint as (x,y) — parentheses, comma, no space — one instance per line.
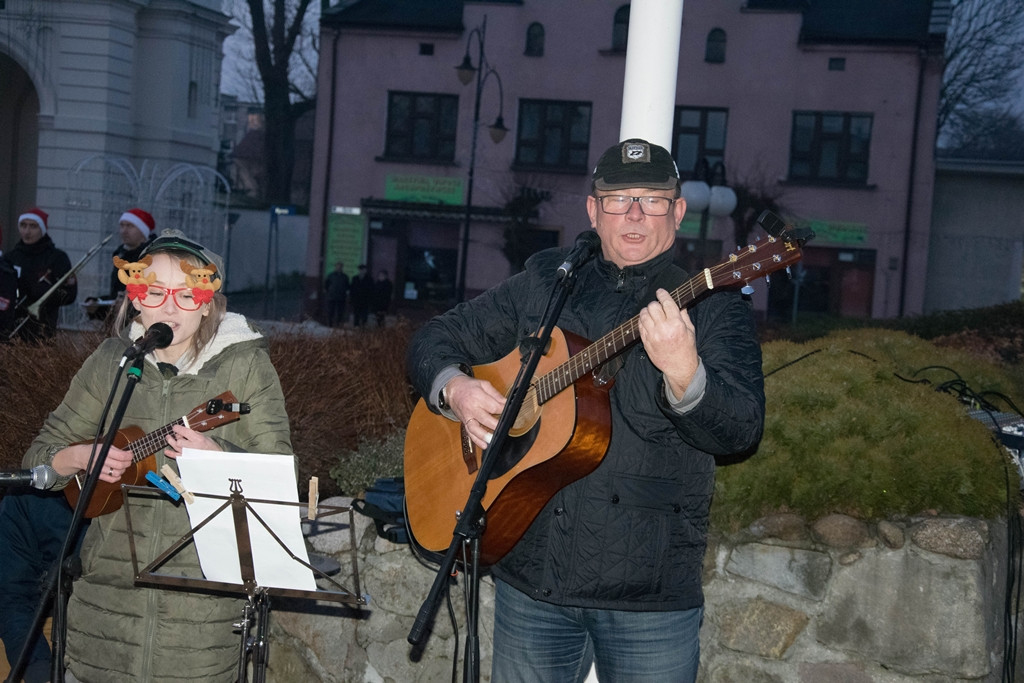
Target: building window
(535,40)
(553,135)
(421,126)
(620,29)
(830,146)
(714,50)
(698,132)
(193,99)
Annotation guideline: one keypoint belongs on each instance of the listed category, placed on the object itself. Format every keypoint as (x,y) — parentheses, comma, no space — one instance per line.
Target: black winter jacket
(40,265)
(631,535)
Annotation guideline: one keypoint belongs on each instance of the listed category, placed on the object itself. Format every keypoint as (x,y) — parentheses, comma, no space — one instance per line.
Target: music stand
(256,609)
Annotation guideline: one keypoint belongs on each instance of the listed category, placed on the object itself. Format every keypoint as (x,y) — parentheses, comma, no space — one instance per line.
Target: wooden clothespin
(314,497)
(172,477)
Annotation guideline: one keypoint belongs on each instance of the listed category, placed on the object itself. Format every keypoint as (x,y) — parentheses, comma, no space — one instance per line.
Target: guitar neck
(742,266)
(613,343)
(146,445)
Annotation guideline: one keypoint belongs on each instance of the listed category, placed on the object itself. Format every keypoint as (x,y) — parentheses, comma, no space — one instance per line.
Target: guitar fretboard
(610,345)
(146,445)
(743,266)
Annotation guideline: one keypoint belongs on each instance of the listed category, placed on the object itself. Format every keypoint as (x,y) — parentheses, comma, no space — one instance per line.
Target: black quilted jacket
(631,535)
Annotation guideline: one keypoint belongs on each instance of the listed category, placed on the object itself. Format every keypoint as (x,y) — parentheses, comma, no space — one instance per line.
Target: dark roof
(863,21)
(867,21)
(779,5)
(419,15)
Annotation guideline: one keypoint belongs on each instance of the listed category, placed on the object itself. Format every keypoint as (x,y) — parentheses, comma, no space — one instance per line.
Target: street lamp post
(708,194)
(465,72)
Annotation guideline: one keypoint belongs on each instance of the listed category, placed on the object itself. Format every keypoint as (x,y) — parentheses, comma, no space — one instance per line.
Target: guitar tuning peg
(747,289)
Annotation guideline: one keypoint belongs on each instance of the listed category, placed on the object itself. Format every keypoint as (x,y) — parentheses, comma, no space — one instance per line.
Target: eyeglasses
(183,297)
(619,204)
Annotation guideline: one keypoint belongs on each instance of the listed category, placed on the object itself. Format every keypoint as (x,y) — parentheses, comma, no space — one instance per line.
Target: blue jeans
(33,525)
(537,642)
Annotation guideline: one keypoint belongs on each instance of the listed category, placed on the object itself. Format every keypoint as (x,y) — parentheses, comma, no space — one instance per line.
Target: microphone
(586,248)
(39,477)
(158,336)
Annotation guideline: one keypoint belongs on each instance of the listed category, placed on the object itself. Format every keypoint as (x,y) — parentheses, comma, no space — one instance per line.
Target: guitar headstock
(222,410)
(756,261)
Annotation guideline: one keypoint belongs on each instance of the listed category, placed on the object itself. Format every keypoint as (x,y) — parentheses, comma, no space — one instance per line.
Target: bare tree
(755,193)
(990,134)
(984,58)
(278,64)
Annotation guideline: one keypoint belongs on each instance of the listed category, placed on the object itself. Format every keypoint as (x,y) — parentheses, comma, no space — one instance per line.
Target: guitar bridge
(468,456)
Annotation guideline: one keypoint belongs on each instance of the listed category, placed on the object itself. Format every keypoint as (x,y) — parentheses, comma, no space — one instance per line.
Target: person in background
(119,632)
(362,294)
(8,293)
(336,288)
(40,265)
(136,228)
(610,570)
(382,292)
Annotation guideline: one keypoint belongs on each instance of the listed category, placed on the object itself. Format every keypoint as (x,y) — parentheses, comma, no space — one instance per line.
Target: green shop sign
(837,232)
(407,187)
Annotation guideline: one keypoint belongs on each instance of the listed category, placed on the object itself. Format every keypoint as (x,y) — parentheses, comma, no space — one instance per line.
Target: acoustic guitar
(106,497)
(558,437)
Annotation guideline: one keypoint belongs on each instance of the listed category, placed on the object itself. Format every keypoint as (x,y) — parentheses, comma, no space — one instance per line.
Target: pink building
(824,111)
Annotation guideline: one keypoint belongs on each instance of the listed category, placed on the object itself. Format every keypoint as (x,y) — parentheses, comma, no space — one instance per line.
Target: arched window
(535,40)
(620,29)
(714,51)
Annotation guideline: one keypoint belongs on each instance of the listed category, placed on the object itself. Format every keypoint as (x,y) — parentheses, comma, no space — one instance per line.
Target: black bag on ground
(385,505)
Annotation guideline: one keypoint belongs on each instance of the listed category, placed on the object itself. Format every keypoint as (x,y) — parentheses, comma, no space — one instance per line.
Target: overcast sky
(238,72)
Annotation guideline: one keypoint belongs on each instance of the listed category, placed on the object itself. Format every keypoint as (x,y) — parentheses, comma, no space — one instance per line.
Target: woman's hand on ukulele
(183,437)
(74,459)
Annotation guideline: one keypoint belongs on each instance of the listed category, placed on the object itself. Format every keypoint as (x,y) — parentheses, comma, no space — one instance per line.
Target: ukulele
(106,497)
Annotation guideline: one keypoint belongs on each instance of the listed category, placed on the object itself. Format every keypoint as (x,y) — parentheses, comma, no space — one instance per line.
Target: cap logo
(635,152)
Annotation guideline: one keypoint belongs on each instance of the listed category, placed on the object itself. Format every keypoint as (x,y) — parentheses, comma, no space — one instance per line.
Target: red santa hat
(142,220)
(35,214)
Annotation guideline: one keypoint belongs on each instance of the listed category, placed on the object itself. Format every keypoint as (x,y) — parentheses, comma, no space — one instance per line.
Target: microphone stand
(470,525)
(56,584)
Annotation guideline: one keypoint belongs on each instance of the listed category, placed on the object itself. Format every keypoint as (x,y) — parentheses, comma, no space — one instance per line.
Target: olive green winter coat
(119,632)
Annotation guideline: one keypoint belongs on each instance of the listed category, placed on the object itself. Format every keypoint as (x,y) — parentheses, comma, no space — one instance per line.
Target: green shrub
(855,425)
(373,457)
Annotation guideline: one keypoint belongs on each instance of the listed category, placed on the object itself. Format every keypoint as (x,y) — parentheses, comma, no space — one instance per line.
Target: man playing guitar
(609,570)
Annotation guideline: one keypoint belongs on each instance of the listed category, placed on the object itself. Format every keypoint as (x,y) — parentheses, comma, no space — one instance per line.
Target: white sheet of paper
(265,477)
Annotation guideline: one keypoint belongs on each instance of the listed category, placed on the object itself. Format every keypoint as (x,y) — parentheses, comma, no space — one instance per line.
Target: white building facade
(106,104)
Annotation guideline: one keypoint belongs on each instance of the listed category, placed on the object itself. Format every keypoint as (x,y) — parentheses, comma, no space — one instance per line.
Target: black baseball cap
(175,240)
(636,163)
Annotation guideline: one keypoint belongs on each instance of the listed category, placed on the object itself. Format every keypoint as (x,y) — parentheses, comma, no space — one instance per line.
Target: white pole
(652,66)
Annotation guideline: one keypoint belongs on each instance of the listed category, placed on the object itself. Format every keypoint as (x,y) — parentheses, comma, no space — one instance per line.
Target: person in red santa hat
(40,264)
(137,229)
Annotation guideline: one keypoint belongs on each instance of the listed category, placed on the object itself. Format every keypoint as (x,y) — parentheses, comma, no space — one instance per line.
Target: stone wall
(905,601)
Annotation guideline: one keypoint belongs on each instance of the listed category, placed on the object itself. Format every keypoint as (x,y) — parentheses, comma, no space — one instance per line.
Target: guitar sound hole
(515,448)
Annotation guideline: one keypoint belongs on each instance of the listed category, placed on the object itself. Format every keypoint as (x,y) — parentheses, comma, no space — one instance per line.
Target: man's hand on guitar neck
(670,341)
(476,404)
